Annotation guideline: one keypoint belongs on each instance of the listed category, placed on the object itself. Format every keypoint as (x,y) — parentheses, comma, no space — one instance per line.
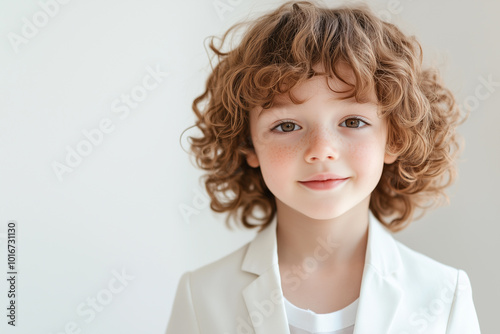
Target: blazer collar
(381,252)
(262,253)
(380,292)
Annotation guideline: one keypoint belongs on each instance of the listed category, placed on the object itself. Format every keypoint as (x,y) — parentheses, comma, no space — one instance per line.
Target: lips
(323,177)
(325,181)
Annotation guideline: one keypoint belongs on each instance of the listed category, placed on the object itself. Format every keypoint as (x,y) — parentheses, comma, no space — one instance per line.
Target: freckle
(283,154)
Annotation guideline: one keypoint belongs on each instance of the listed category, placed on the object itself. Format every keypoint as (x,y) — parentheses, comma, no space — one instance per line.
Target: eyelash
(295,124)
(358,119)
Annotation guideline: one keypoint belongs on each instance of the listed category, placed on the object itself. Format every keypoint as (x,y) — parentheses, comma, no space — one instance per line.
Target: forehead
(331,90)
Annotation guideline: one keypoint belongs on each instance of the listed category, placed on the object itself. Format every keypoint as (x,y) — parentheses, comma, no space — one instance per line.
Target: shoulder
(205,293)
(219,282)
(420,264)
(419,271)
(229,265)
(222,275)
(435,282)
(243,265)
(388,255)
(431,290)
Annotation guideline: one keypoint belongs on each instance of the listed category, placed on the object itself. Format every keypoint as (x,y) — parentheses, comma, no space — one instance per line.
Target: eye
(286,126)
(353,123)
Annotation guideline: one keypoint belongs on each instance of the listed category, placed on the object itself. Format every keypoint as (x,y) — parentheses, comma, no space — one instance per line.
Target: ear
(389,157)
(248,151)
(252,158)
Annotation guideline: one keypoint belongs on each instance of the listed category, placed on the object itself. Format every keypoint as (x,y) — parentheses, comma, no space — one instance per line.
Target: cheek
(279,155)
(274,150)
(368,154)
(275,161)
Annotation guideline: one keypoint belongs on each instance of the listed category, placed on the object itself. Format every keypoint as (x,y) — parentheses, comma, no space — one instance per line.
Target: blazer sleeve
(183,317)
(463,317)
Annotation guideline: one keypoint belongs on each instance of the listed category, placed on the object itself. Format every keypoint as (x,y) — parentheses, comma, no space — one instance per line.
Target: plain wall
(118,212)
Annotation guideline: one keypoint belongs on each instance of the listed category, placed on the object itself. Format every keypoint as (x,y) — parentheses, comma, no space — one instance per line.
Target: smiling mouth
(323,184)
(342,179)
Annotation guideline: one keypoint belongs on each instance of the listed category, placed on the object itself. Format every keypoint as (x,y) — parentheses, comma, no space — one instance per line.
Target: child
(322,130)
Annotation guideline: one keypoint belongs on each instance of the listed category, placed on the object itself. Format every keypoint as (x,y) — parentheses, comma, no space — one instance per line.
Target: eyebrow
(349,101)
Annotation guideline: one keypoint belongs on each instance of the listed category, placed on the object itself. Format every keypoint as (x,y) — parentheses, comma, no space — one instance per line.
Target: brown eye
(353,123)
(286,126)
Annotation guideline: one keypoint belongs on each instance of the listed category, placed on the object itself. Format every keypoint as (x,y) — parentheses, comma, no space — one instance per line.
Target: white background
(118,210)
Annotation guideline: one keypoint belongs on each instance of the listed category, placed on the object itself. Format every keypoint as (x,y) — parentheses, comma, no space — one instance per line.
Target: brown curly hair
(277,52)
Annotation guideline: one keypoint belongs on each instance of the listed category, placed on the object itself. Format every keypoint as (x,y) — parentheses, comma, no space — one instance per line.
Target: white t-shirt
(303,321)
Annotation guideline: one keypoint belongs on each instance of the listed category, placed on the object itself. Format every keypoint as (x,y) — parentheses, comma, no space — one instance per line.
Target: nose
(322,146)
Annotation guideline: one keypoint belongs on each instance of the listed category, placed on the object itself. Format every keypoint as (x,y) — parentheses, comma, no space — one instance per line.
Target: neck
(330,243)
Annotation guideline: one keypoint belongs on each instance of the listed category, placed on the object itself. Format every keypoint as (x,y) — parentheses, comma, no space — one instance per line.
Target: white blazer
(402,292)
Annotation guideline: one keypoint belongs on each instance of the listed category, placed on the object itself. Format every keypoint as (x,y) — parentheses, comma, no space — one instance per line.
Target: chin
(324,215)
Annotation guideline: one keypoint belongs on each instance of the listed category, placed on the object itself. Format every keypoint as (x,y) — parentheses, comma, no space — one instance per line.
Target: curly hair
(277,52)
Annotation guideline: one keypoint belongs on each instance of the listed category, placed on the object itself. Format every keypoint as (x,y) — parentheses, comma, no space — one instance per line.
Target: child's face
(321,135)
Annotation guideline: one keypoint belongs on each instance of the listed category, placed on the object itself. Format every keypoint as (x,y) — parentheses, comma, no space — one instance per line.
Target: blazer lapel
(264,301)
(379,300)
(380,292)
(264,297)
